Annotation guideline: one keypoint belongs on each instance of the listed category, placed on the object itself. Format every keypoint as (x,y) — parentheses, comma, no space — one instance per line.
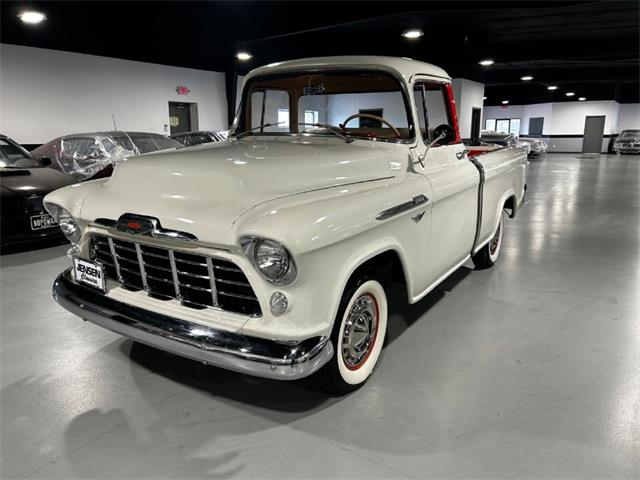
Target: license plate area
(39,222)
(89,273)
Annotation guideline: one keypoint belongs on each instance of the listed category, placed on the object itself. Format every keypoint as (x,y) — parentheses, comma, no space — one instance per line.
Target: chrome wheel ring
(360,331)
(495,241)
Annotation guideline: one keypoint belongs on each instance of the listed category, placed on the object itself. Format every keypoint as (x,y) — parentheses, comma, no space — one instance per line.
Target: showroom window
(431,102)
(503,125)
(311,116)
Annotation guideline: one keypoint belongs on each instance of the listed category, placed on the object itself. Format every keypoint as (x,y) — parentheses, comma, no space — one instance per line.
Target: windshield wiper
(330,128)
(264,125)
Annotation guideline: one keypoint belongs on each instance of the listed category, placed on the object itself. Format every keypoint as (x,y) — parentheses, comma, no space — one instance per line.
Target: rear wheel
(358,335)
(488,255)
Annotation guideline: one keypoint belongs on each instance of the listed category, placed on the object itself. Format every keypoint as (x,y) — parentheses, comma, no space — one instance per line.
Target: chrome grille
(197,281)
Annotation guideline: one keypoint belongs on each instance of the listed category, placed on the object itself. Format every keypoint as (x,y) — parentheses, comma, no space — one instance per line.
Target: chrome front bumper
(232,351)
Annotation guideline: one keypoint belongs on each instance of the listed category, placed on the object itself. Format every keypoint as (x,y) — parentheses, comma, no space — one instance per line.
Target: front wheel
(358,335)
(488,255)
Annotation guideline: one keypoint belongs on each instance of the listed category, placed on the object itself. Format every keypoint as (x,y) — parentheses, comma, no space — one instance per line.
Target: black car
(92,155)
(24,182)
(197,138)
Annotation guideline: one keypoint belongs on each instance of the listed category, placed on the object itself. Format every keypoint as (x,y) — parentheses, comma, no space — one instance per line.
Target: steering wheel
(372,117)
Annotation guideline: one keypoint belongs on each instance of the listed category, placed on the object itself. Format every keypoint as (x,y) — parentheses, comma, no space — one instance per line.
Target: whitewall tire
(358,336)
(488,255)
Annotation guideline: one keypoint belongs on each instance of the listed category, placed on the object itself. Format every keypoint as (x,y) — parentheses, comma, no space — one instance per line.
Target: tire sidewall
(360,375)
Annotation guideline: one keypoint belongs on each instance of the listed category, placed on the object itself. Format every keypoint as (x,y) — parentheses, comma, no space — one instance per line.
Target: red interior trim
(453,114)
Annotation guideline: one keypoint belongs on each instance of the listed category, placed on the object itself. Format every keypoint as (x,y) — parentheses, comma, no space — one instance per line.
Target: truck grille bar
(196,281)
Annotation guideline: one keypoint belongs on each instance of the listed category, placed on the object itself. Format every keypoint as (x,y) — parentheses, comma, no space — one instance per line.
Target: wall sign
(182,90)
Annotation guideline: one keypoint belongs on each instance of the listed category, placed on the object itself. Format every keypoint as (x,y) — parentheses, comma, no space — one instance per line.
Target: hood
(32,181)
(204,189)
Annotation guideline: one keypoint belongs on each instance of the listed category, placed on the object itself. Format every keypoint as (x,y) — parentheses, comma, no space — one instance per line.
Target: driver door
(454,179)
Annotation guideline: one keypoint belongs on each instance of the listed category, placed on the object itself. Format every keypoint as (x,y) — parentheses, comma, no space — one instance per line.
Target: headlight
(270,258)
(67,223)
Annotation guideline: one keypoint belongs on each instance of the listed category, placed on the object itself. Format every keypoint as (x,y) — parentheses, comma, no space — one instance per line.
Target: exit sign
(182,90)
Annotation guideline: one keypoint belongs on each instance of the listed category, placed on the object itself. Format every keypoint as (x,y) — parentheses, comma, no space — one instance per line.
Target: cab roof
(401,66)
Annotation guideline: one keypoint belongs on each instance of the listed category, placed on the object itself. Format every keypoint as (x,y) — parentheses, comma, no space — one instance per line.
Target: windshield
(145,142)
(629,134)
(360,104)
(14,156)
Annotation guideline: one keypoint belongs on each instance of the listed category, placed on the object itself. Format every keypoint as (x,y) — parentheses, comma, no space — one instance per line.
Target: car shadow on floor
(302,396)
(15,256)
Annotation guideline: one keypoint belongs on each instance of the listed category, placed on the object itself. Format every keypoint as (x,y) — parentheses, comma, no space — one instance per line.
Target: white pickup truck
(272,253)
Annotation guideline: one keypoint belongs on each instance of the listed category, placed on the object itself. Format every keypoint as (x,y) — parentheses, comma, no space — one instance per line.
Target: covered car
(536,145)
(627,142)
(24,182)
(197,138)
(84,155)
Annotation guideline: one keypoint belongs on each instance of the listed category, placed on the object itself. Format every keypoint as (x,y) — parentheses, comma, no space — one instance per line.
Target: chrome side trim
(114,255)
(480,169)
(212,282)
(403,207)
(233,351)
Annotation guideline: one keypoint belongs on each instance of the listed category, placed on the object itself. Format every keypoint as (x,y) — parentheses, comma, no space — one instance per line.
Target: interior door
(535,125)
(475,125)
(453,178)
(179,117)
(593,133)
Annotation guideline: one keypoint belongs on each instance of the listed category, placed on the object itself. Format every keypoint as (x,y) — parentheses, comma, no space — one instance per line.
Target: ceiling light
(32,17)
(486,62)
(569,94)
(582,99)
(504,102)
(412,33)
(526,78)
(244,56)
(552,87)
(484,98)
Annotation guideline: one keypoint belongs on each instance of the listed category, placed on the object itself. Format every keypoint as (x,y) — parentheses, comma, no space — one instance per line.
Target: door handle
(462,154)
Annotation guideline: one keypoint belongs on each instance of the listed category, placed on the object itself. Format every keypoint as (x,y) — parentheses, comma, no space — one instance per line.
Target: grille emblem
(150,226)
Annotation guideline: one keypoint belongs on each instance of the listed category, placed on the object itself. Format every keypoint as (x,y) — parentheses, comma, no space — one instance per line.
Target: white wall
(468,95)
(628,117)
(48,93)
(568,118)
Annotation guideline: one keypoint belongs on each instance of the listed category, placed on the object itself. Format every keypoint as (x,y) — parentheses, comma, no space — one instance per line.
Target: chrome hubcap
(360,331)
(493,246)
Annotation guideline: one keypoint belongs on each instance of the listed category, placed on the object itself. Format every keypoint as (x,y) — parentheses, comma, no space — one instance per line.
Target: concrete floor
(529,369)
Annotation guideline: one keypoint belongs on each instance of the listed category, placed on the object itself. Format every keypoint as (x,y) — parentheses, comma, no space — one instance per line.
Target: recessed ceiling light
(484,98)
(526,78)
(569,94)
(486,62)
(582,99)
(412,33)
(552,87)
(504,102)
(32,17)
(244,56)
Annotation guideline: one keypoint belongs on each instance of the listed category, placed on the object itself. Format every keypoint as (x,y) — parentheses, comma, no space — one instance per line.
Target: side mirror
(445,132)
(46,161)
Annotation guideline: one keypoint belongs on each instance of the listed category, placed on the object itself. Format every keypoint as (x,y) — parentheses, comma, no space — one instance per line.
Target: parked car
(489,137)
(272,253)
(197,138)
(24,182)
(84,155)
(627,142)
(536,145)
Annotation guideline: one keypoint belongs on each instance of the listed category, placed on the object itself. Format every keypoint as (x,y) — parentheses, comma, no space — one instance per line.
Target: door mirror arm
(422,157)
